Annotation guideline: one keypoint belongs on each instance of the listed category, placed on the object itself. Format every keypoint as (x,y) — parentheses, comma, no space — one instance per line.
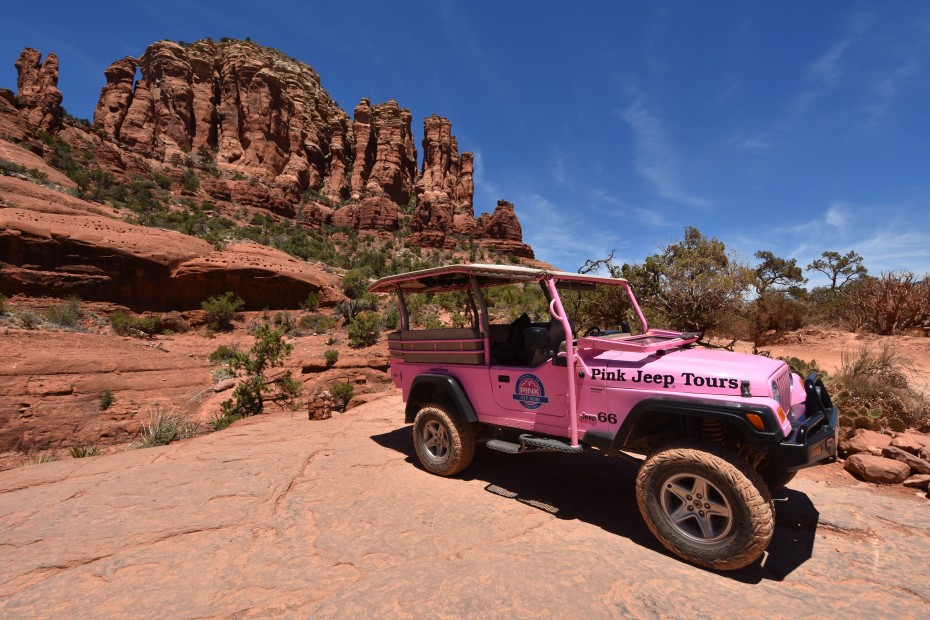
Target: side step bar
(529,443)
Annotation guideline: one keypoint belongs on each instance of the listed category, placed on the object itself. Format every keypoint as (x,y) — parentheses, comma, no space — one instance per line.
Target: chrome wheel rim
(436,440)
(696,508)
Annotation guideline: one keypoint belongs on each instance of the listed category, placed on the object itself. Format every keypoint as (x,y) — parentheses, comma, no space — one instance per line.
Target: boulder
(918,481)
(877,469)
(924,453)
(865,441)
(917,464)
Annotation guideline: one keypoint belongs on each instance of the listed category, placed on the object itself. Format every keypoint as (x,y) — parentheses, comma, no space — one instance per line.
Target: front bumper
(814,439)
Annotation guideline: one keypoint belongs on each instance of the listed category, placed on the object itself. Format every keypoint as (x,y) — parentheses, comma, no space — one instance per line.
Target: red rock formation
(445,189)
(38,97)
(502,230)
(385,167)
(261,132)
(265,114)
(47,249)
(116,96)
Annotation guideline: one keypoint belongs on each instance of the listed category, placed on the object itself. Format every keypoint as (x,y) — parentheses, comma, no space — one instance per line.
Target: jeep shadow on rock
(713,430)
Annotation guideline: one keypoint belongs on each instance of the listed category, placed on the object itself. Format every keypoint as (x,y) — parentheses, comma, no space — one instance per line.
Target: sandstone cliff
(241,128)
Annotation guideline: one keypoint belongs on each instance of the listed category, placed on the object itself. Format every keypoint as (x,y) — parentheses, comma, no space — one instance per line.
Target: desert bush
(331,356)
(256,388)
(222,354)
(354,283)
(828,306)
(223,420)
(692,285)
(342,394)
(777,311)
(317,323)
(363,330)
(221,374)
(390,319)
(125,324)
(351,308)
(285,322)
(163,428)
(221,310)
(65,315)
(105,400)
(312,303)
(2,304)
(28,319)
(80,452)
(892,302)
(874,386)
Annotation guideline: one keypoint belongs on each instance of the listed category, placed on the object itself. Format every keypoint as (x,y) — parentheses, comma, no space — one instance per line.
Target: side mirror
(536,338)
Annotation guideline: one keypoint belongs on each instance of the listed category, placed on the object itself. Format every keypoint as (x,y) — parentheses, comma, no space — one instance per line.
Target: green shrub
(390,319)
(364,330)
(221,310)
(221,374)
(125,324)
(222,354)
(80,452)
(163,428)
(354,283)
(105,400)
(224,419)
(331,356)
(342,393)
(67,314)
(312,303)
(2,303)
(872,388)
(189,181)
(350,308)
(250,395)
(317,323)
(28,319)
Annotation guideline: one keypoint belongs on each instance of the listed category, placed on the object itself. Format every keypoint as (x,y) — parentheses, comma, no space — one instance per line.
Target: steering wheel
(594,329)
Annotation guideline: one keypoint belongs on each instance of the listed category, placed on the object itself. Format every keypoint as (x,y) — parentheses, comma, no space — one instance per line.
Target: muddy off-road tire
(706,505)
(445,445)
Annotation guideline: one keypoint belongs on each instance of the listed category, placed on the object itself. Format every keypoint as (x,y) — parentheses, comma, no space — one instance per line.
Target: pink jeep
(717,429)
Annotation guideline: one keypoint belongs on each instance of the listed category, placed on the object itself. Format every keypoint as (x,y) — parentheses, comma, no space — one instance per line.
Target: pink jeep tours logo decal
(529,391)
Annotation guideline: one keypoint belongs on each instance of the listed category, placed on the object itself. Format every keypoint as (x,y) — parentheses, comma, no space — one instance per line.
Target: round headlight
(776,394)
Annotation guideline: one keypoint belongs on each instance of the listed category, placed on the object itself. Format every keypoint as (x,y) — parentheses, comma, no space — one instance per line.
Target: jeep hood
(687,370)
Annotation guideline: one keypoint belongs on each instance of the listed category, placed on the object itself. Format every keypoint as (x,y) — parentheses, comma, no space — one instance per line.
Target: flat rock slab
(278,515)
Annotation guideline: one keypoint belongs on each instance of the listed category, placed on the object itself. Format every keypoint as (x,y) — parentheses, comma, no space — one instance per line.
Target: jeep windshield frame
(471,278)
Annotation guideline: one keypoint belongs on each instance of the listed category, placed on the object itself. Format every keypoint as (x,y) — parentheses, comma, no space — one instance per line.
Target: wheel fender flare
(732,413)
(430,388)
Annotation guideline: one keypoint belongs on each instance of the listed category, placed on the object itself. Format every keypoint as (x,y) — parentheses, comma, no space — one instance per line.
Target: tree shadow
(600,490)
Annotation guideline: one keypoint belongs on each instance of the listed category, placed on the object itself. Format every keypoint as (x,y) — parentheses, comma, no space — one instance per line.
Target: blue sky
(794,126)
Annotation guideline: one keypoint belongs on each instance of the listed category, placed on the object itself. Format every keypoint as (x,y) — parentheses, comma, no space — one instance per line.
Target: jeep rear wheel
(706,505)
(445,444)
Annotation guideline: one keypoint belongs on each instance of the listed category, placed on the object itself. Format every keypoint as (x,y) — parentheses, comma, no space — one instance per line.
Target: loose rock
(865,441)
(920,481)
(916,463)
(877,469)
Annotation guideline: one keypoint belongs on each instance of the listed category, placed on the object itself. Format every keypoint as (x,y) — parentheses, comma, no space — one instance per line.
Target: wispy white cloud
(560,235)
(827,71)
(656,160)
(837,216)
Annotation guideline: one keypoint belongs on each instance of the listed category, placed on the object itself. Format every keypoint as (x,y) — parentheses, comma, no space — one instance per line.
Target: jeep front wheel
(445,445)
(706,505)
